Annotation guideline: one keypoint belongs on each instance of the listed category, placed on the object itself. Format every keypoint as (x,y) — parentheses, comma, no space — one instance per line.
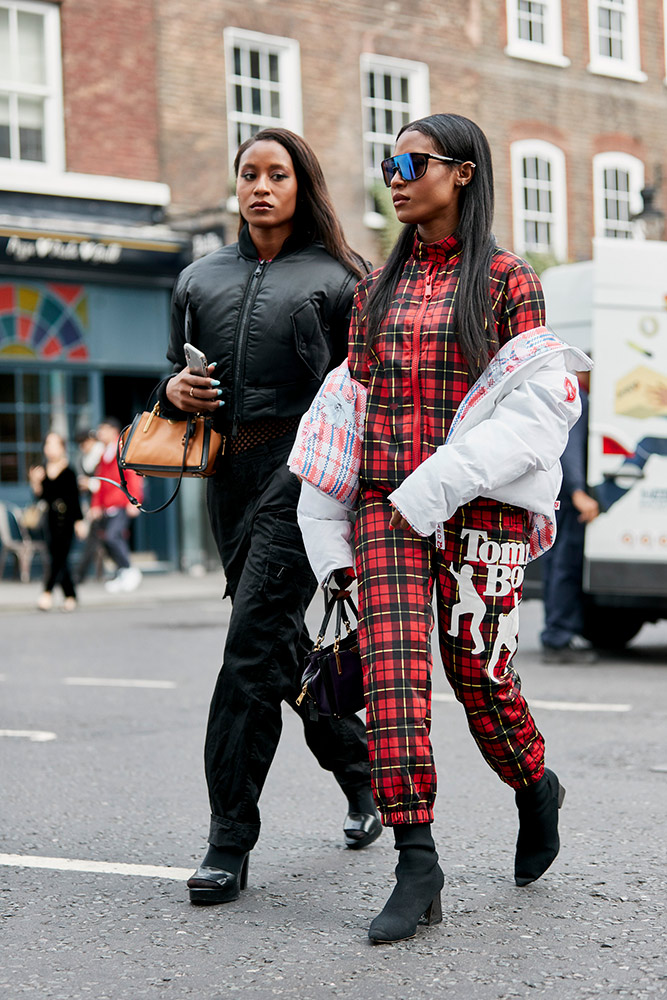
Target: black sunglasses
(412,166)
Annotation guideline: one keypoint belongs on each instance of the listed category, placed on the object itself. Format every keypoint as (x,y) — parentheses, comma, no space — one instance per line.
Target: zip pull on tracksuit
(414,366)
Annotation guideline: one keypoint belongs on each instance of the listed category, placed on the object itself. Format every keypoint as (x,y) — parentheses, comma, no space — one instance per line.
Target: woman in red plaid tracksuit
(423,329)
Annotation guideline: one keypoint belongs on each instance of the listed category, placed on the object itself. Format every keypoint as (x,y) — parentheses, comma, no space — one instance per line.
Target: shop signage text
(48,247)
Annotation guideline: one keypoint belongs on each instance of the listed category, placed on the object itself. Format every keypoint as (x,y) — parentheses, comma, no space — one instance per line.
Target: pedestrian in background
(110,510)
(271,313)
(90,450)
(431,515)
(563,565)
(55,483)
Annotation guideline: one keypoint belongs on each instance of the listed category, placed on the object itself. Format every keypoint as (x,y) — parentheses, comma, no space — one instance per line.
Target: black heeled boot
(419,880)
(220,877)
(362,824)
(538,842)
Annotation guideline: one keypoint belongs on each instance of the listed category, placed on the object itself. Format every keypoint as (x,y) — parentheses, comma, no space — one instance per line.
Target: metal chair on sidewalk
(16,540)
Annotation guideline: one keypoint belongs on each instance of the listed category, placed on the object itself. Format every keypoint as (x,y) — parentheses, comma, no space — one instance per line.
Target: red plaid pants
(478,574)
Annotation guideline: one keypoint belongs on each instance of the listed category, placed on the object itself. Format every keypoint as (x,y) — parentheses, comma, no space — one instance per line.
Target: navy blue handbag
(332,679)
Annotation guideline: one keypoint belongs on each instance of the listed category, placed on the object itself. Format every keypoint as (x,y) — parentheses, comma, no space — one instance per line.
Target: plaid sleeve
(518,300)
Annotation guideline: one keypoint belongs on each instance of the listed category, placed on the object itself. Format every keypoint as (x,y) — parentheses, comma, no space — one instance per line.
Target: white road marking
(119,682)
(98,867)
(556,706)
(580,706)
(34,735)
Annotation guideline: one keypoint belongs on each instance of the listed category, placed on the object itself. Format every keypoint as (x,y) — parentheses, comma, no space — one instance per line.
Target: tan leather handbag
(153,445)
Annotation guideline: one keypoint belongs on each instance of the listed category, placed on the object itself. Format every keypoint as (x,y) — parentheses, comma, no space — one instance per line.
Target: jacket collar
(293,243)
(440,252)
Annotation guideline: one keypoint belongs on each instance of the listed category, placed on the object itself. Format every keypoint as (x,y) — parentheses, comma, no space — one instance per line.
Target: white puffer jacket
(504,443)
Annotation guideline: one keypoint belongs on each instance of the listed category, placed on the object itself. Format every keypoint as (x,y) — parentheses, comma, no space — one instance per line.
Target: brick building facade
(571,94)
(110,87)
(87,261)
(119,122)
(570,91)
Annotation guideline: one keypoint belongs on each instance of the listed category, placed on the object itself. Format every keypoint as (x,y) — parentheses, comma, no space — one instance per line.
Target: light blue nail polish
(215,381)
(219,391)
(221,402)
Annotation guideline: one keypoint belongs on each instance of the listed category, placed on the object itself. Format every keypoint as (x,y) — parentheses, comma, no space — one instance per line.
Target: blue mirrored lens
(405,166)
(411,166)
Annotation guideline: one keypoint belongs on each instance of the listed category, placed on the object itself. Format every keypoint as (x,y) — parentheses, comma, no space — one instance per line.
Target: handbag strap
(341,617)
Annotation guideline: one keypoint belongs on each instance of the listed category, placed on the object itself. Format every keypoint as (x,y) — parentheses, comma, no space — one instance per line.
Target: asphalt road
(113,774)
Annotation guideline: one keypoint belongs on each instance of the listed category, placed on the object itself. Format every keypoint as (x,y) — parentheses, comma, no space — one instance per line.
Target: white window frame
(289,83)
(551,50)
(635,170)
(418,106)
(629,66)
(51,91)
(557,218)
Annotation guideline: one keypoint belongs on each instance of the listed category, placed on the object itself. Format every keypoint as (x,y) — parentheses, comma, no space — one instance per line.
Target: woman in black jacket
(55,483)
(271,314)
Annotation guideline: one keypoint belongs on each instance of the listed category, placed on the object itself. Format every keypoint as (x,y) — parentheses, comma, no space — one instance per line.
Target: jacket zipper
(414,372)
(239,341)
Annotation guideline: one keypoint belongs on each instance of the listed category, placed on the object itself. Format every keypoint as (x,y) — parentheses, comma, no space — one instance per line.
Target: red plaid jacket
(415,374)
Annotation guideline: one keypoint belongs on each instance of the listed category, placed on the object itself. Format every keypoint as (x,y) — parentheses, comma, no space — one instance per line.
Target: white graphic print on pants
(507,636)
(469,603)
(504,573)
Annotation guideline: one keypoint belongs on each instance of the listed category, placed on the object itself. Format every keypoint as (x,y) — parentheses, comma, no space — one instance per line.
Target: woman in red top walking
(423,329)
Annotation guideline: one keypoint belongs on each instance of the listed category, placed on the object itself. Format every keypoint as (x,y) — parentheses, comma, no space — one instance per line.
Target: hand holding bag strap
(341,616)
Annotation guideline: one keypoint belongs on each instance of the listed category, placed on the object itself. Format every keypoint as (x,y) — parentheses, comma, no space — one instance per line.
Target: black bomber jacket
(274,328)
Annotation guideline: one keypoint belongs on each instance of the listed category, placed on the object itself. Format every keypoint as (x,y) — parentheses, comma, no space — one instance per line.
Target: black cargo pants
(252,508)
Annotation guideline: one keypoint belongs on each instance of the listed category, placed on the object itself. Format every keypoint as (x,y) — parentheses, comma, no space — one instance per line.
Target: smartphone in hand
(195,360)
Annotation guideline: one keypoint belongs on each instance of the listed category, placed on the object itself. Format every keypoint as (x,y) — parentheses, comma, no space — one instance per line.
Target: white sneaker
(130,579)
(126,580)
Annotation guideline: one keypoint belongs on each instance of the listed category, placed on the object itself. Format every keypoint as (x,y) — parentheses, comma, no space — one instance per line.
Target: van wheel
(611,627)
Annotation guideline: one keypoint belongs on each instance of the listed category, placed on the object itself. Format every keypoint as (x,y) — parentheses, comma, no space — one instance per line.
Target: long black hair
(315,217)
(453,135)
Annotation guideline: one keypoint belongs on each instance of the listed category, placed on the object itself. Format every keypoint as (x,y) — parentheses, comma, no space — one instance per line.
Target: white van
(615,307)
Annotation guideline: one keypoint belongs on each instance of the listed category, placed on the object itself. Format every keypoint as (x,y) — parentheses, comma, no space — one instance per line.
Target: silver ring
(192,391)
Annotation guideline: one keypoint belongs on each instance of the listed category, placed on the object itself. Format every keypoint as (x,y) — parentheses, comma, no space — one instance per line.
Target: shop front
(84,321)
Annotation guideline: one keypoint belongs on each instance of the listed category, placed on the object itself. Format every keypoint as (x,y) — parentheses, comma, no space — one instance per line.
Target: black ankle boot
(220,877)
(419,880)
(538,842)
(362,824)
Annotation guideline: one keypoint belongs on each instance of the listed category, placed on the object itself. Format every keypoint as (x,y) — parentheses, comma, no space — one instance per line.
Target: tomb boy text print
(489,584)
